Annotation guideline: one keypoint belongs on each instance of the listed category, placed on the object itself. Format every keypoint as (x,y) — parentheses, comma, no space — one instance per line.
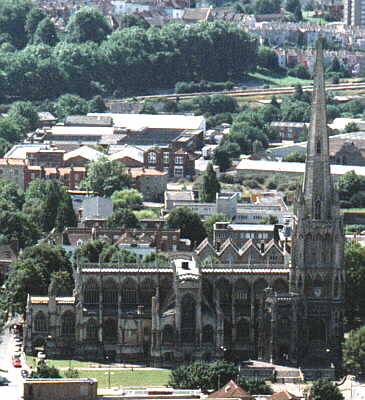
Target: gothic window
(110,330)
(40,322)
(165,288)
(274,257)
(91,292)
(208,291)
(188,317)
(318,147)
(280,286)
(208,334)
(243,331)
(168,334)
(147,291)
(317,330)
(242,291)
(92,329)
(317,210)
(259,286)
(110,292)
(225,293)
(129,292)
(68,324)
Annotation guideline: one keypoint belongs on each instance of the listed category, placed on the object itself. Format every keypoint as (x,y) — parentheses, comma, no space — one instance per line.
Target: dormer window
(318,147)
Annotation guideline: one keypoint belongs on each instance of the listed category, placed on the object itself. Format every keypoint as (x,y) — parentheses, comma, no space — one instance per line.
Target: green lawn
(277,79)
(309,16)
(137,377)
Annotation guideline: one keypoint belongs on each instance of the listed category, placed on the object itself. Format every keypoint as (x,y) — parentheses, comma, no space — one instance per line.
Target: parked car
(3,381)
(16,362)
(24,373)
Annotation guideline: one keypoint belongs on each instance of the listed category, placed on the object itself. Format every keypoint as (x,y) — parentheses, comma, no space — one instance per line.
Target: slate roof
(284,395)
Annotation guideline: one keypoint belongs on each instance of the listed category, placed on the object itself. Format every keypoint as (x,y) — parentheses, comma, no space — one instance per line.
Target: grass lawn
(64,363)
(137,377)
(276,79)
(309,16)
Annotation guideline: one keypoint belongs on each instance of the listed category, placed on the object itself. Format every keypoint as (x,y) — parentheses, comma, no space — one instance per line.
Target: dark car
(3,381)
(24,373)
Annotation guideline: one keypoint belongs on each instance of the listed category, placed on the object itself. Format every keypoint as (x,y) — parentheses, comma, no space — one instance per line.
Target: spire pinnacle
(317,181)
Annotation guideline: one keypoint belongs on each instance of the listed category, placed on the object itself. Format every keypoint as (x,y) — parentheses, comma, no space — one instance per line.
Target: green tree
(292,5)
(26,110)
(65,213)
(298,16)
(87,24)
(51,205)
(210,221)
(45,371)
(33,18)
(267,6)
(189,223)
(354,352)
(295,156)
(211,185)
(37,190)
(90,251)
(46,33)
(122,218)
(11,193)
(105,176)
(127,21)
(224,153)
(352,127)
(97,105)
(266,58)
(127,198)
(269,220)
(323,389)
(146,214)
(32,273)
(71,104)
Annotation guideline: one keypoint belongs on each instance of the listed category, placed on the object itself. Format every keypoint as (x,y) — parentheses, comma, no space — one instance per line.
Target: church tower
(317,274)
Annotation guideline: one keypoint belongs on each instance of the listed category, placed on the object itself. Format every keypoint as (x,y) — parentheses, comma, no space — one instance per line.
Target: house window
(179,160)
(166,157)
(40,322)
(68,324)
(178,171)
(152,158)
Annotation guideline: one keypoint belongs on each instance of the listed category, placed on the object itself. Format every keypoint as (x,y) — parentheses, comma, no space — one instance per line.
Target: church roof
(229,391)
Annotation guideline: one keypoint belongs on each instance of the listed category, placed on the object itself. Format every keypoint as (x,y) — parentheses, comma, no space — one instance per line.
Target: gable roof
(85,152)
(132,152)
(230,390)
(284,395)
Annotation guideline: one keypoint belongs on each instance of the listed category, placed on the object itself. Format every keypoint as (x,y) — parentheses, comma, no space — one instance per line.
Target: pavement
(13,391)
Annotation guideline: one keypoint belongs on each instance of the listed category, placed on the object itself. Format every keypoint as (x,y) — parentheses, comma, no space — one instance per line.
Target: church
(259,300)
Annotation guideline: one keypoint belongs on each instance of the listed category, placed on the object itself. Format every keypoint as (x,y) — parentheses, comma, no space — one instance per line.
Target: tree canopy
(325,390)
(211,185)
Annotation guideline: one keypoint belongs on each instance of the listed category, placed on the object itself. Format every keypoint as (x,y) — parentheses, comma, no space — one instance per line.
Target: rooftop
(85,152)
(137,172)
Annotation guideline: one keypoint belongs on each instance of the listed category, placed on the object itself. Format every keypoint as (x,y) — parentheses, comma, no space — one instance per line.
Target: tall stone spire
(317,186)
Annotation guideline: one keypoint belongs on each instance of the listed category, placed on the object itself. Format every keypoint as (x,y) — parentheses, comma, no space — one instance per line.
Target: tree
(34,17)
(267,6)
(26,110)
(122,218)
(189,223)
(51,205)
(127,21)
(298,16)
(97,105)
(127,198)
(292,5)
(32,273)
(323,389)
(46,33)
(354,352)
(295,156)
(352,127)
(71,104)
(255,386)
(269,220)
(210,221)
(65,213)
(355,283)
(87,24)
(11,193)
(211,185)
(266,58)
(45,371)
(349,184)
(105,176)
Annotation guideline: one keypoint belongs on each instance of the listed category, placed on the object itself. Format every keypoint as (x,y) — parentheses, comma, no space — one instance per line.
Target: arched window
(208,334)
(318,147)
(168,334)
(208,291)
(68,324)
(317,211)
(242,291)
(165,289)
(147,291)
(225,294)
(129,292)
(110,329)
(280,286)
(110,292)
(91,292)
(243,331)
(92,329)
(40,322)
(188,319)
(259,287)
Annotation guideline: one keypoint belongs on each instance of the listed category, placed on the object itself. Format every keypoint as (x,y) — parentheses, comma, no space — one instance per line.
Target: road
(14,390)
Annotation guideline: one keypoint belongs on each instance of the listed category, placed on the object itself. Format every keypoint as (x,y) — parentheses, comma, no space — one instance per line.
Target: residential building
(354,12)
(289,130)
(150,182)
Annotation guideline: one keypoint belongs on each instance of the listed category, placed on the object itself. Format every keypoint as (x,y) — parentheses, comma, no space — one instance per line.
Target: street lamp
(109,372)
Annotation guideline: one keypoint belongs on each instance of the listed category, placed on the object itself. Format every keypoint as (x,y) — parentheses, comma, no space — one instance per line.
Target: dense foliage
(325,390)
(354,352)
(211,185)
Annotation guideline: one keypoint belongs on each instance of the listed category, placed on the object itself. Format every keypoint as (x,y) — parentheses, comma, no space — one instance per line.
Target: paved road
(14,390)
